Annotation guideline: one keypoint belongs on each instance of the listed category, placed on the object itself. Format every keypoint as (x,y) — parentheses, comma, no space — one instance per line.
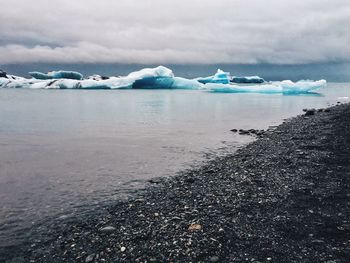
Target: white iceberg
(285,86)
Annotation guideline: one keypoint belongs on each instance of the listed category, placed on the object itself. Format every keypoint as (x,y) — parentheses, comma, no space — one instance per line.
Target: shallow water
(67,151)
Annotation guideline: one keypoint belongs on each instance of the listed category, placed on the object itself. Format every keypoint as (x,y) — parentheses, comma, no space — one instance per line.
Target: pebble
(310,112)
(214,259)
(90,258)
(64,217)
(108,229)
(195,227)
(122,249)
(155,181)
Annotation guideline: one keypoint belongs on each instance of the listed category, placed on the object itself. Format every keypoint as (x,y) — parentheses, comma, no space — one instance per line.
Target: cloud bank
(175,31)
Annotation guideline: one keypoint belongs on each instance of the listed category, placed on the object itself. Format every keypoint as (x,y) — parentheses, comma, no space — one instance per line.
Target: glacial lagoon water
(64,152)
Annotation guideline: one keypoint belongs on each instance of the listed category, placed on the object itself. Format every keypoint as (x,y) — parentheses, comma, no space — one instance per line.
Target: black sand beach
(282,198)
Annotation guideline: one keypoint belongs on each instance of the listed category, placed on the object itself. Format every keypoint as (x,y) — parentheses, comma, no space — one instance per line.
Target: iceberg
(285,86)
(159,77)
(156,78)
(61,74)
(220,77)
(159,71)
(182,83)
(4,82)
(249,79)
(148,78)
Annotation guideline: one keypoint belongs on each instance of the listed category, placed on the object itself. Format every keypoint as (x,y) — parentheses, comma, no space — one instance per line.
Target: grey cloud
(169,31)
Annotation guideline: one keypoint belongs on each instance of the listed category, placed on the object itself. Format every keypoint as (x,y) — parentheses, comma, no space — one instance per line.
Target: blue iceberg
(56,75)
(153,83)
(220,77)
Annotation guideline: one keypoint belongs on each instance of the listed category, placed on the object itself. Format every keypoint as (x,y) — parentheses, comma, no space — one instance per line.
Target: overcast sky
(175,31)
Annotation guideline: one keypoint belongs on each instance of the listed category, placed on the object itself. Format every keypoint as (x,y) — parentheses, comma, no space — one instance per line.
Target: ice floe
(61,74)
(220,77)
(285,86)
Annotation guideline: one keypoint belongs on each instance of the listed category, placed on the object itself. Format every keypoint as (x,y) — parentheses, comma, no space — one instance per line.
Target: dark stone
(108,229)
(214,259)
(190,180)
(310,112)
(243,132)
(90,258)
(155,181)
(234,130)
(3,74)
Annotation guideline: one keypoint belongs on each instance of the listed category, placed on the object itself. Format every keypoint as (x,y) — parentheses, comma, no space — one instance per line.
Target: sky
(175,31)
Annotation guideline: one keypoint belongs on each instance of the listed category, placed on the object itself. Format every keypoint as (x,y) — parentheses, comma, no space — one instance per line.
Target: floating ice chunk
(160,77)
(205,80)
(4,82)
(153,83)
(159,71)
(40,85)
(229,88)
(285,86)
(182,83)
(15,82)
(220,77)
(249,79)
(61,74)
(301,86)
(39,75)
(66,75)
(154,78)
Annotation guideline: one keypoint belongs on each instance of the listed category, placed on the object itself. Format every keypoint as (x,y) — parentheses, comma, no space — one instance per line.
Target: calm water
(66,151)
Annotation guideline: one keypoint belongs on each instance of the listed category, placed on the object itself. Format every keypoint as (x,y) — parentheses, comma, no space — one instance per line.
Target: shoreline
(281,198)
